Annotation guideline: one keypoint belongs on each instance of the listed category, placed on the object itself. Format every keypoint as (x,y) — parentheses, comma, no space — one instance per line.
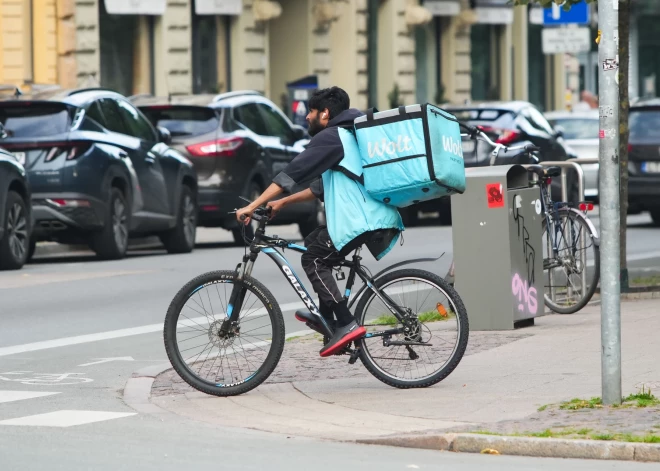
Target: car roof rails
(224,96)
(92,89)
(15,88)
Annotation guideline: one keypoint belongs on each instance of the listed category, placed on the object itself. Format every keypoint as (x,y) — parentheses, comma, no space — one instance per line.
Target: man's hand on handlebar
(244,215)
(275,206)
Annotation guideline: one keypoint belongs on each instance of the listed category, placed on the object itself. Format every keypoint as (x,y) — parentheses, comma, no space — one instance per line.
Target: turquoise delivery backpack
(410,154)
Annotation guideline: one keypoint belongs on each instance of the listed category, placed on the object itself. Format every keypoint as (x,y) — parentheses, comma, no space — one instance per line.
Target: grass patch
(646,281)
(583,431)
(643,399)
(424,317)
(603,436)
(542,408)
(582,434)
(577,404)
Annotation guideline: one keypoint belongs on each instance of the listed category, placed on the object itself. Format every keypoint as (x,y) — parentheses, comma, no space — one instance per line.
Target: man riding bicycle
(330,169)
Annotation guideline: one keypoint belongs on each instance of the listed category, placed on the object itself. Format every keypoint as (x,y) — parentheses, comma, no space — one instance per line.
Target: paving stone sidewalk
(301,362)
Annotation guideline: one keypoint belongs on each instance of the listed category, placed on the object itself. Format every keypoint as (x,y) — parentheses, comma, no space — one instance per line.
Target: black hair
(334,99)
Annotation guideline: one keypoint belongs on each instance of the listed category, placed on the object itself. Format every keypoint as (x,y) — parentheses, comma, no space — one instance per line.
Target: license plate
(651,167)
(468,147)
(20,156)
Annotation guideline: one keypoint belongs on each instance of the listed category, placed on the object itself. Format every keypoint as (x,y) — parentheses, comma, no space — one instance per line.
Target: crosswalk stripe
(10,396)
(66,418)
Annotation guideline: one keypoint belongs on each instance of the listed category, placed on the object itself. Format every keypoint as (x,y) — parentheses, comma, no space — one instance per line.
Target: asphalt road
(74,329)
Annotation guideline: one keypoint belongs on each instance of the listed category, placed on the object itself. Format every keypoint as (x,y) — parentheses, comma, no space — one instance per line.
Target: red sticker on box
(494,195)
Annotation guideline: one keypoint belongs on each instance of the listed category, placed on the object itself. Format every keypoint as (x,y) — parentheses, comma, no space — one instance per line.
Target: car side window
(276,125)
(136,124)
(537,120)
(111,116)
(94,112)
(249,116)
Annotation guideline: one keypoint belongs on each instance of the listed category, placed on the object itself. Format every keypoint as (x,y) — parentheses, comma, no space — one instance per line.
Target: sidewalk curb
(137,392)
(525,446)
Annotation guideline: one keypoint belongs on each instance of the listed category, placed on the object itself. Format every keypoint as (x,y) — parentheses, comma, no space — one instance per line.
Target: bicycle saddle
(543,171)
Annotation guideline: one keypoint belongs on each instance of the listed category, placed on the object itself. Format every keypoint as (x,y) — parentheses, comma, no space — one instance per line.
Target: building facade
(383,52)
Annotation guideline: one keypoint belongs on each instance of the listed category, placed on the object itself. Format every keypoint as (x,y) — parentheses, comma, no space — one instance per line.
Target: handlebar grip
(471,129)
(243,217)
(532,148)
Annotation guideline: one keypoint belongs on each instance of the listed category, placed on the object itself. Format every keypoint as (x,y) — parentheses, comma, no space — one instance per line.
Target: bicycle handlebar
(475,132)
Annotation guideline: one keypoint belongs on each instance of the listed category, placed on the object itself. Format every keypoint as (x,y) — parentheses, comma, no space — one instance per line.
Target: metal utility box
(498,253)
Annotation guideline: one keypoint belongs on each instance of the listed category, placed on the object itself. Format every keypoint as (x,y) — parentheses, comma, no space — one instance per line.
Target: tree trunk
(624,100)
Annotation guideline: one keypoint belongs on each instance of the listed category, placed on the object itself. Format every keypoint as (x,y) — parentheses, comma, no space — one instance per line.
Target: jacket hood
(345,117)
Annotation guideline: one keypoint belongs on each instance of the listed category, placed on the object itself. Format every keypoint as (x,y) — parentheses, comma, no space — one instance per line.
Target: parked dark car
(644,158)
(15,212)
(238,142)
(99,171)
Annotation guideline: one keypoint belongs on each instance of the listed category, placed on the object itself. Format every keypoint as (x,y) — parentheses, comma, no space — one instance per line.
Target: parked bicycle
(417,325)
(571,244)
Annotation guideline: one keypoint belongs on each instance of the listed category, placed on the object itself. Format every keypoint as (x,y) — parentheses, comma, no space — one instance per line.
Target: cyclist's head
(325,105)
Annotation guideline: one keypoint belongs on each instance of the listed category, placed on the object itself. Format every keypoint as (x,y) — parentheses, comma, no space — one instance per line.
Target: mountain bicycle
(417,325)
(570,284)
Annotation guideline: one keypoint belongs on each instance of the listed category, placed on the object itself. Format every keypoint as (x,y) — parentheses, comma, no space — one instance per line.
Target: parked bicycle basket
(410,154)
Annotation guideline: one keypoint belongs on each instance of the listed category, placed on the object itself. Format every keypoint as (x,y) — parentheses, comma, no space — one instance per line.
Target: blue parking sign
(577,15)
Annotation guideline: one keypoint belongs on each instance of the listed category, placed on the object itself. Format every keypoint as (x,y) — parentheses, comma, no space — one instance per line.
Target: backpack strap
(370,113)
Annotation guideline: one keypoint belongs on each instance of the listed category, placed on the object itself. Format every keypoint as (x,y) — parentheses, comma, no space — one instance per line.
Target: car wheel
(181,239)
(15,244)
(655,215)
(32,249)
(409,216)
(111,242)
(310,225)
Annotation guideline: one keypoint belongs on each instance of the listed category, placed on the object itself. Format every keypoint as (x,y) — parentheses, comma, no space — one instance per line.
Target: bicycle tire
(592,288)
(461,315)
(179,365)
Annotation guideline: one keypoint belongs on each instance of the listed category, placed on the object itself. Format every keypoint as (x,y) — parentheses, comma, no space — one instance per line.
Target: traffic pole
(610,283)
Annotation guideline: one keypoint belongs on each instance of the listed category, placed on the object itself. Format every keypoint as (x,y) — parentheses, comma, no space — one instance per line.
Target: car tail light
(630,148)
(586,207)
(69,203)
(507,136)
(548,181)
(218,148)
(72,150)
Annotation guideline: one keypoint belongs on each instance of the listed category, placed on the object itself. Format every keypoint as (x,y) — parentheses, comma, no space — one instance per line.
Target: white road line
(66,418)
(111,334)
(11,396)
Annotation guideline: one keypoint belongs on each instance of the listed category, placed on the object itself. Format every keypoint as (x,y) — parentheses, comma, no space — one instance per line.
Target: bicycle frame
(269,246)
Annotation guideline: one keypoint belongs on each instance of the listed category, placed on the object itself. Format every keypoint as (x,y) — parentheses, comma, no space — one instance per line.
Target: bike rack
(564,165)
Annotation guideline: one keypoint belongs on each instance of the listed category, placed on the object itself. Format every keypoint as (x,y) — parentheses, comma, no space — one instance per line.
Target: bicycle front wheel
(571,273)
(433,340)
(209,353)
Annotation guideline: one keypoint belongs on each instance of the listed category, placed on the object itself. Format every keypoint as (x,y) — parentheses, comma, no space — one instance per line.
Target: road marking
(11,396)
(66,418)
(112,334)
(107,360)
(44,378)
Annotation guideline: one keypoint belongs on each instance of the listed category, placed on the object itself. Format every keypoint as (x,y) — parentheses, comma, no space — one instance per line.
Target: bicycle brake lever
(245,199)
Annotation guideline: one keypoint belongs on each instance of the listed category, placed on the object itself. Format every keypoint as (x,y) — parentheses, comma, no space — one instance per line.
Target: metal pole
(566,234)
(610,310)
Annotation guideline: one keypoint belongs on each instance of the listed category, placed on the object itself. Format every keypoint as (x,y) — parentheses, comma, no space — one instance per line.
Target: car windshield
(644,124)
(183,120)
(577,128)
(494,118)
(35,120)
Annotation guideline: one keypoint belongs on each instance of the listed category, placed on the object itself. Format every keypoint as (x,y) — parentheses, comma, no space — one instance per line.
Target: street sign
(565,40)
(577,15)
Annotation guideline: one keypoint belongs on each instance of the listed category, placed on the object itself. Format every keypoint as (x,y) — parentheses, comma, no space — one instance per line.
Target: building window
(127,43)
(537,75)
(485,52)
(205,53)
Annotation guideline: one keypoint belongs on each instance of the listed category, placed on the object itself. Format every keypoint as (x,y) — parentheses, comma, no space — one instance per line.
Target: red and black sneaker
(342,337)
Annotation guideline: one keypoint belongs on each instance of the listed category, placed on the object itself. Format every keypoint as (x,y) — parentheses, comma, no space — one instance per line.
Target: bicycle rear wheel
(213,356)
(577,256)
(437,334)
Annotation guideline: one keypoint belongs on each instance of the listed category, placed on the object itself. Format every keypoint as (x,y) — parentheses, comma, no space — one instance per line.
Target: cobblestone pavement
(588,422)
(301,362)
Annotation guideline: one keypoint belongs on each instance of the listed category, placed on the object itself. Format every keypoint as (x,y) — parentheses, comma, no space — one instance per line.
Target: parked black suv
(15,212)
(644,158)
(99,171)
(238,141)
